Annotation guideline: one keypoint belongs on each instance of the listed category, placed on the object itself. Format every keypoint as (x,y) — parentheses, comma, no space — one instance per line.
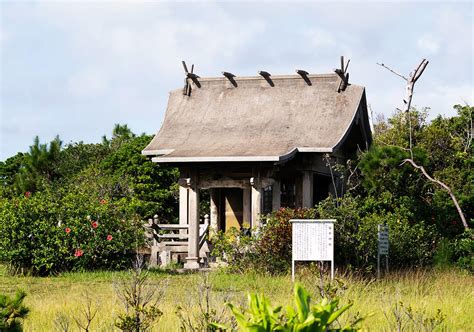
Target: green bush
(273,243)
(235,248)
(412,242)
(265,250)
(463,250)
(66,229)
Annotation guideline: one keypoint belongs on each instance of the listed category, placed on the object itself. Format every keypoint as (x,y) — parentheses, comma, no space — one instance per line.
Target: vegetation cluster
(425,228)
(82,206)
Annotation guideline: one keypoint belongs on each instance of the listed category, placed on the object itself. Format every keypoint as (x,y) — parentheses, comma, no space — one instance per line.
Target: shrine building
(258,143)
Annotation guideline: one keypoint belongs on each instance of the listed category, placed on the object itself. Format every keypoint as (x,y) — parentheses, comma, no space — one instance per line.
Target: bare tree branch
(442,185)
(393,71)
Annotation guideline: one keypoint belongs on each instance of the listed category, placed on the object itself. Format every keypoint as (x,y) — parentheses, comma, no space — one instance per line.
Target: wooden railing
(173,238)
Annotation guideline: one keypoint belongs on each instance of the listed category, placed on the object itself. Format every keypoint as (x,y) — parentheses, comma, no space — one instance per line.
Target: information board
(313,240)
(383,239)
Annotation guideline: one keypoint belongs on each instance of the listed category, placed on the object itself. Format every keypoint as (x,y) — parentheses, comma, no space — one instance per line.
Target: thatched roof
(254,121)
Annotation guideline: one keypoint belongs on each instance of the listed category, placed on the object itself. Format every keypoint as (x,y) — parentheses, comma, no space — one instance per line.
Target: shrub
(273,244)
(11,311)
(60,230)
(463,250)
(236,248)
(267,250)
(412,242)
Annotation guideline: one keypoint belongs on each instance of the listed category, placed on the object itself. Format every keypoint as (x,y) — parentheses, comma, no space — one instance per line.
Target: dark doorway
(288,193)
(321,185)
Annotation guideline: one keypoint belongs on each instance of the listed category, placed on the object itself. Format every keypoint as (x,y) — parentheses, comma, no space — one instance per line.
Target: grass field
(426,291)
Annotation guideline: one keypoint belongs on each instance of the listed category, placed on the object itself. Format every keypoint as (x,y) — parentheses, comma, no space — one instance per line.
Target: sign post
(382,247)
(312,240)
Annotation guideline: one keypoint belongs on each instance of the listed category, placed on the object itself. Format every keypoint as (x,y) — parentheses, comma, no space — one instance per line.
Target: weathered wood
(304,75)
(267,76)
(173,236)
(172,226)
(442,185)
(208,183)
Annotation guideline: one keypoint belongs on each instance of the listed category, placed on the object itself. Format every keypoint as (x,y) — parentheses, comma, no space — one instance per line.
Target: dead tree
(410,86)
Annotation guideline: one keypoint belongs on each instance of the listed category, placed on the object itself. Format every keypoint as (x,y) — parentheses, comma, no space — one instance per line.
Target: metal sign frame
(312,243)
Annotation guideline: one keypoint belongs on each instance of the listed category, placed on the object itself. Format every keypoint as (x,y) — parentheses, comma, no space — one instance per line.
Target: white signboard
(313,240)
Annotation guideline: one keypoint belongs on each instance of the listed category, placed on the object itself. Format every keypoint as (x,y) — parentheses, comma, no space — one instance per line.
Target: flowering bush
(53,231)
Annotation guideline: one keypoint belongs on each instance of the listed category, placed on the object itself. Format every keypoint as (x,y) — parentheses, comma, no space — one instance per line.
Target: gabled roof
(255,121)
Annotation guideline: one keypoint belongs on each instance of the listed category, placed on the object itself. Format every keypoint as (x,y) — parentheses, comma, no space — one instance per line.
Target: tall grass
(426,291)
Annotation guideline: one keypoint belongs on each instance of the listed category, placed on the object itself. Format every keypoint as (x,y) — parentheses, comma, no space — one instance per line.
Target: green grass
(425,290)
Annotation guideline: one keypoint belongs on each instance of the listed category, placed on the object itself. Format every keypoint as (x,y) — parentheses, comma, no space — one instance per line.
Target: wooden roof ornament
(267,76)
(343,75)
(230,77)
(258,122)
(304,75)
(189,76)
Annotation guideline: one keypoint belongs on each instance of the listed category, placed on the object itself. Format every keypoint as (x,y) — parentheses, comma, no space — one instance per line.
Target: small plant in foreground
(140,300)
(88,312)
(12,310)
(261,316)
(403,317)
(210,312)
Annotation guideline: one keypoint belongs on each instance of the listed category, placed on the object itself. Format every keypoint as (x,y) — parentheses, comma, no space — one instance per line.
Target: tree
(39,165)
(410,86)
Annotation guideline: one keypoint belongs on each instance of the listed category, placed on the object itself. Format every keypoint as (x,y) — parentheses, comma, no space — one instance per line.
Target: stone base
(192,263)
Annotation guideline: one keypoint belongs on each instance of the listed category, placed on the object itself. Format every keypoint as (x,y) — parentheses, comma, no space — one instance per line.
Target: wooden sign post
(382,247)
(312,240)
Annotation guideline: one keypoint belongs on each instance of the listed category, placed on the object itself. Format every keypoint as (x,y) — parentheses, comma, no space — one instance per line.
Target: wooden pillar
(247,206)
(256,202)
(192,261)
(214,210)
(307,189)
(276,193)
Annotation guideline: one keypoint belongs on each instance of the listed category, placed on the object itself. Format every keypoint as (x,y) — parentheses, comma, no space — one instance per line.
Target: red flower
(78,253)
(103,201)
(109,237)
(28,194)
(94,224)
(67,230)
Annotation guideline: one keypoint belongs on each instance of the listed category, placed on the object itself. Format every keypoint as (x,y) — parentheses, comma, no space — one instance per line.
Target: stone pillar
(192,261)
(183,203)
(213,207)
(247,206)
(276,193)
(256,203)
(307,189)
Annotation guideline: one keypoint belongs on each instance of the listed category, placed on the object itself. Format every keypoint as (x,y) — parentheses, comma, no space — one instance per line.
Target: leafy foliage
(12,310)
(261,316)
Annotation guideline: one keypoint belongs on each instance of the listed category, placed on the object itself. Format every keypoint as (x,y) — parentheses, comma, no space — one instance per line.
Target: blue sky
(74,69)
